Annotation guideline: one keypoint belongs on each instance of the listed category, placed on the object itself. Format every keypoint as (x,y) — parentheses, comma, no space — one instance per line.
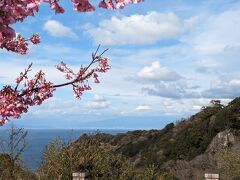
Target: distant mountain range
(134,122)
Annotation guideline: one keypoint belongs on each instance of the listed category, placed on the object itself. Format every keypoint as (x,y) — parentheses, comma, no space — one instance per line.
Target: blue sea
(37,139)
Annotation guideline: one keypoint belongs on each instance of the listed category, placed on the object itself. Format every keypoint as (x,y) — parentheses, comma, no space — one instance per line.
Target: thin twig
(94,55)
(25,73)
(103,52)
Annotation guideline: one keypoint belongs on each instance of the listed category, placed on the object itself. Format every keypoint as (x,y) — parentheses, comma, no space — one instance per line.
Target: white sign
(212,176)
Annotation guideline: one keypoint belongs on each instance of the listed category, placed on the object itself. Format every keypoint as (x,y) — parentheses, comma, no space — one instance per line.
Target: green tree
(87,154)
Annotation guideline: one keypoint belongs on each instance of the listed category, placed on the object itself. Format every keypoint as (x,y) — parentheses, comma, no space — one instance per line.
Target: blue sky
(168,59)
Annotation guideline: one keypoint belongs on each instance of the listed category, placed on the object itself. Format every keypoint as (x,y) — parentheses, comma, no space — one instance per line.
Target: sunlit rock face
(207,162)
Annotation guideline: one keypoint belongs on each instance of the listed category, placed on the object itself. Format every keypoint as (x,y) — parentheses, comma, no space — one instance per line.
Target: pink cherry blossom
(14,101)
(120,4)
(82,6)
(35,39)
(110,4)
(55,6)
(13,11)
(103,4)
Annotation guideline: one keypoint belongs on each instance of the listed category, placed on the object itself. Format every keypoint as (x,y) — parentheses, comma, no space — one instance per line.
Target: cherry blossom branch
(79,77)
(15,101)
(12,11)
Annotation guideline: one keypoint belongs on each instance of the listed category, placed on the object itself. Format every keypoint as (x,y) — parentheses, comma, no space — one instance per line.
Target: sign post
(79,176)
(209,176)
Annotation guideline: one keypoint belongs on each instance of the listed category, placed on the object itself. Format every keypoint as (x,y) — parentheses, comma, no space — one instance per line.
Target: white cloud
(137,29)
(196,107)
(217,32)
(143,108)
(57,29)
(234,82)
(214,42)
(223,88)
(59,106)
(98,102)
(156,72)
(188,23)
(175,90)
(163,82)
